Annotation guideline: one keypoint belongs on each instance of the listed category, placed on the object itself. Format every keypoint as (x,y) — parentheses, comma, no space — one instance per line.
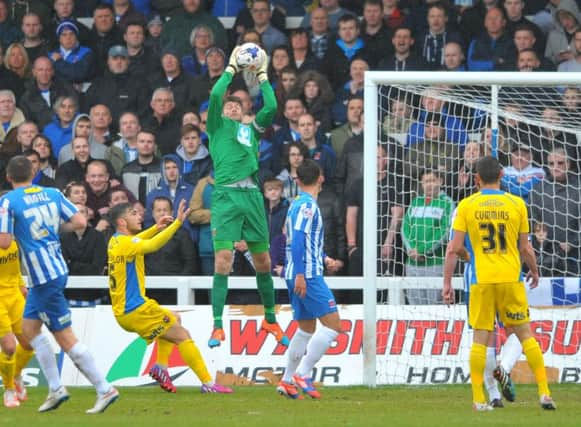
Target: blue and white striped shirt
(33,215)
(305,217)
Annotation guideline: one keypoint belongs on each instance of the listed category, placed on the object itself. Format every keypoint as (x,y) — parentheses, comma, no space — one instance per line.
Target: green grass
(446,406)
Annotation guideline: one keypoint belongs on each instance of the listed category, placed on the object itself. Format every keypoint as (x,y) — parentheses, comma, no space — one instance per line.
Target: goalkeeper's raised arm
(266,114)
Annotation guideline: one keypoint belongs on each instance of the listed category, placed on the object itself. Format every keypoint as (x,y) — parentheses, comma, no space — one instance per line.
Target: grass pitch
(445,406)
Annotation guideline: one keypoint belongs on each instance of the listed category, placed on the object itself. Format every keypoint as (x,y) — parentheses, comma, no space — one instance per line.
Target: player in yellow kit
(497,226)
(133,310)
(15,354)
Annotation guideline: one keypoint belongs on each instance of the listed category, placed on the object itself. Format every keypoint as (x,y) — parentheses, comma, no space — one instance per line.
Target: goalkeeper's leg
(261,258)
(222,267)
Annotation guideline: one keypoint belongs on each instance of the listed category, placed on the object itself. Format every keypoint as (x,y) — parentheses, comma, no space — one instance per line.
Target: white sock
(511,352)
(296,351)
(321,341)
(45,356)
(489,381)
(83,360)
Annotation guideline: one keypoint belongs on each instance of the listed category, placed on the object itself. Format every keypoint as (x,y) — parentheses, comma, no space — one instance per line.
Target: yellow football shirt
(10,273)
(126,266)
(493,221)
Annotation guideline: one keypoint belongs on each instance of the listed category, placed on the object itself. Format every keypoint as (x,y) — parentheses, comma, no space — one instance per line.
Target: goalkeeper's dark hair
(119,211)
(309,172)
(488,169)
(19,169)
(232,98)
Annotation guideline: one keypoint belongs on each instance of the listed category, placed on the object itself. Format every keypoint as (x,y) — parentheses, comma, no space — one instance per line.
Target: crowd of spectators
(116,112)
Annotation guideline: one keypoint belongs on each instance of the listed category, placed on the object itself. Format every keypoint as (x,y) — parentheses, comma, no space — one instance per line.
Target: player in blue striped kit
(310,296)
(32,216)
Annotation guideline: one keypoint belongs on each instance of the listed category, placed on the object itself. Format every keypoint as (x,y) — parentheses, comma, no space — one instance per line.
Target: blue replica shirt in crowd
(305,237)
(33,215)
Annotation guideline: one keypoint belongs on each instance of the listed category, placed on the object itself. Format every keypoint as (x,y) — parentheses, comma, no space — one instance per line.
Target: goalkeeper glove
(232,66)
(262,73)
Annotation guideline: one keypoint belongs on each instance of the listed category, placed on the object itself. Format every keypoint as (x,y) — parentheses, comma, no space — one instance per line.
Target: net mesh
(430,140)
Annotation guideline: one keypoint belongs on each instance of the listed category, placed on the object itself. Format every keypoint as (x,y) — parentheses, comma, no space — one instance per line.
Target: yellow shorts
(509,300)
(11,311)
(149,321)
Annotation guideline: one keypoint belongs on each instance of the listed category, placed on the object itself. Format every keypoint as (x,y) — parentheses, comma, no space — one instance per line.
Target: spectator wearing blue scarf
(72,62)
(340,54)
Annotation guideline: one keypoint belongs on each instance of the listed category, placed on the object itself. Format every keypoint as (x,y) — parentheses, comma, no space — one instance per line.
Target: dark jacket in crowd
(9,80)
(119,92)
(100,44)
(34,106)
(195,168)
(183,88)
(141,179)
(177,257)
(336,64)
(167,132)
(85,256)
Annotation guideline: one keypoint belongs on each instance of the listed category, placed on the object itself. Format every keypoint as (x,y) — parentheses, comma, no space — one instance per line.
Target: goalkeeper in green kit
(237,211)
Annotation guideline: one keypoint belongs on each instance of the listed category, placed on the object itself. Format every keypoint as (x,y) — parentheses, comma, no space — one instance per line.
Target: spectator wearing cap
(521,176)
(104,34)
(201,39)
(72,62)
(143,62)
(42,92)
(64,11)
(177,30)
(153,37)
(117,89)
(215,63)
(180,83)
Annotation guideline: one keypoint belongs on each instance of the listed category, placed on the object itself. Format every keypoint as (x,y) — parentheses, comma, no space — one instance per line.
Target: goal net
(428,133)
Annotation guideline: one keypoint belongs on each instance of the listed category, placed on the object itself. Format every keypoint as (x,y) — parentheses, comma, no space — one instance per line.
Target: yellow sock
(7,370)
(21,359)
(164,349)
(477,365)
(192,356)
(536,362)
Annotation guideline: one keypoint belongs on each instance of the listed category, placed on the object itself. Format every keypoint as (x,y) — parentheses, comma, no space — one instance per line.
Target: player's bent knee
(223,261)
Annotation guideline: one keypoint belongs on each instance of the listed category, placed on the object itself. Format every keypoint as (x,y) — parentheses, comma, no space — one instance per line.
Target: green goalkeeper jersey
(234,145)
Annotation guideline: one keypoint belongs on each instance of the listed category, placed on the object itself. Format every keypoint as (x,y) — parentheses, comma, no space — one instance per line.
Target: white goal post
(374,80)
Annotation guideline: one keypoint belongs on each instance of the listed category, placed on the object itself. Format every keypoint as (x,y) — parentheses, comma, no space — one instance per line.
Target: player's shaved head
(19,169)
(308,172)
(488,169)
(119,211)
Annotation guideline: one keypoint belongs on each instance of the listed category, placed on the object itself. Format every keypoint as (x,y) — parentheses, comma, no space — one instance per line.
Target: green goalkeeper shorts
(238,214)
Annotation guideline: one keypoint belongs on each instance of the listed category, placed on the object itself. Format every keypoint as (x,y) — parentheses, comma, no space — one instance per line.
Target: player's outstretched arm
(155,243)
(217,93)
(527,254)
(265,116)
